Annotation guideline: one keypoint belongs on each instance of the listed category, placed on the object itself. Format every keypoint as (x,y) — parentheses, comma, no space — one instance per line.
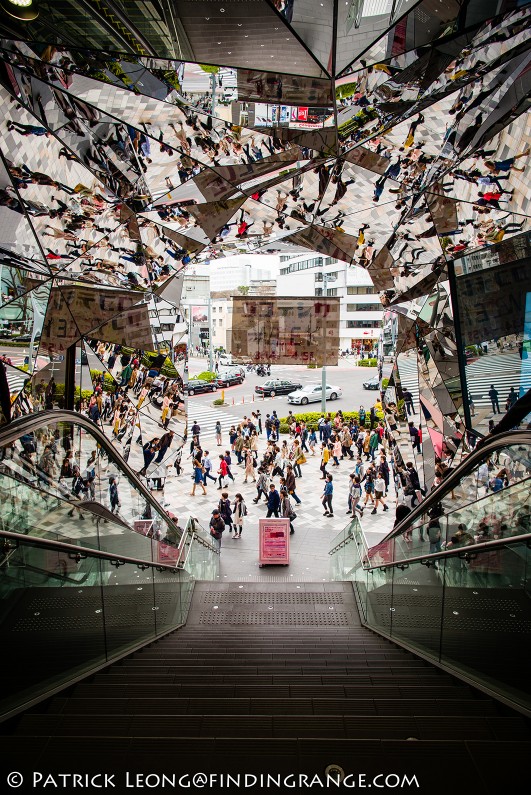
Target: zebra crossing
(207,416)
(504,370)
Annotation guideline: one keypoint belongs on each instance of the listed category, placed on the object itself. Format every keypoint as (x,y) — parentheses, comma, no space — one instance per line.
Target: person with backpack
(239,511)
(225,510)
(286,509)
(219,440)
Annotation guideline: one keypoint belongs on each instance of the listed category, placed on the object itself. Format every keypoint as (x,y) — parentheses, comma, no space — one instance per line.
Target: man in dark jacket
(291,483)
(217,525)
(273,501)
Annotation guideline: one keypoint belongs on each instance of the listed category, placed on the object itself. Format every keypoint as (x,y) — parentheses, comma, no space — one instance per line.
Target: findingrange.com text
(190,781)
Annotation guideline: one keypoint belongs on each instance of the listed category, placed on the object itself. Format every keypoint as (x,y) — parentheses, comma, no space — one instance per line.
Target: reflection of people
(285,7)
(493,395)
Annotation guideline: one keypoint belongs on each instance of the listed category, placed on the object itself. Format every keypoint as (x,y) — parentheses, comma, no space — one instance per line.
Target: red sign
(274,541)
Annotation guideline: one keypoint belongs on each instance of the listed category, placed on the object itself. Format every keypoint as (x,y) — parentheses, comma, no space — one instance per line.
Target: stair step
(436,727)
(265,706)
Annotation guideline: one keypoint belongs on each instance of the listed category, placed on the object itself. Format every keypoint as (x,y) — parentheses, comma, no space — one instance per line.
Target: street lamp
(327,277)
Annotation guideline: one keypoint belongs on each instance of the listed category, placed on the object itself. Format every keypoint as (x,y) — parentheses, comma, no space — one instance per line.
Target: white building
(230,273)
(361,311)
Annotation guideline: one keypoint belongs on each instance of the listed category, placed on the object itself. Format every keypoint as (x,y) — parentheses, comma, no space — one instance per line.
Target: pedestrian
(261,485)
(286,509)
(222,471)
(291,483)
(408,401)
(250,462)
(312,441)
(225,510)
(217,525)
(228,461)
(336,451)
(219,440)
(415,437)
(434,535)
(114,497)
(207,466)
(325,458)
(493,395)
(273,501)
(239,510)
(198,474)
(379,489)
(328,494)
(368,486)
(354,495)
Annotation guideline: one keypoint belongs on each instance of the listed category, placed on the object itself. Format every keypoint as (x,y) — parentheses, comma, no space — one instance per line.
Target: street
(346,375)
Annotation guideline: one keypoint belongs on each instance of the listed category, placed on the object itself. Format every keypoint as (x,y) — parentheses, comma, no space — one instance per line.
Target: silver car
(312,393)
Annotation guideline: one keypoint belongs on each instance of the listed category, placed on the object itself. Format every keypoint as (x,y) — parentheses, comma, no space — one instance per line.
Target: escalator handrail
(455,475)
(62,546)
(482,546)
(31,422)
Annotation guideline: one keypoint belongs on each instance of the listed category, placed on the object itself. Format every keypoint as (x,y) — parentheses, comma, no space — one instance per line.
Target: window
(360,291)
(332,291)
(220,322)
(319,292)
(363,324)
(364,307)
(213,308)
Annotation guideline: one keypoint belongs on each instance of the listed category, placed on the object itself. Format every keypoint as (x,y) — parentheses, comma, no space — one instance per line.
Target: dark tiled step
(361,727)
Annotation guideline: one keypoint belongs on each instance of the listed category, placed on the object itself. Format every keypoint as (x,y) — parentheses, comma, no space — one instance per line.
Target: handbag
(292,515)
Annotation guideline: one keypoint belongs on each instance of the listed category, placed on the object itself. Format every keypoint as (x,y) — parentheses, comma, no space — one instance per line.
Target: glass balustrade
(65,612)
(467,608)
(39,499)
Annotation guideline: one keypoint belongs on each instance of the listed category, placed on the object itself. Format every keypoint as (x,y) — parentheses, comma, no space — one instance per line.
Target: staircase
(275,679)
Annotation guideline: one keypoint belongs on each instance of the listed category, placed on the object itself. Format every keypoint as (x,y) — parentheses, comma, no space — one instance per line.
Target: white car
(312,393)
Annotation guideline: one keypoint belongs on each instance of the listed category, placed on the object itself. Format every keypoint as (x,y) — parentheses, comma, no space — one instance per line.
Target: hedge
(311,418)
(385,383)
(368,362)
(207,375)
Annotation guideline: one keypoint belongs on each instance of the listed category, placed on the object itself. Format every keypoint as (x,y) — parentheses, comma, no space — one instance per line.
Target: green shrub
(311,418)
(218,402)
(368,362)
(109,384)
(206,376)
(385,383)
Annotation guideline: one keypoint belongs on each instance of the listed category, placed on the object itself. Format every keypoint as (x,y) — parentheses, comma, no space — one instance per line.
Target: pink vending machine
(274,542)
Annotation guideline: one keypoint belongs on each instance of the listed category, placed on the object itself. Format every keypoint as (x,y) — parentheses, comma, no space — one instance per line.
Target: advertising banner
(285,330)
(274,542)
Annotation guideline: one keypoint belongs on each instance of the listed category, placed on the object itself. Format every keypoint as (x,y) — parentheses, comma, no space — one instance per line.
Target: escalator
(452,581)
(38,502)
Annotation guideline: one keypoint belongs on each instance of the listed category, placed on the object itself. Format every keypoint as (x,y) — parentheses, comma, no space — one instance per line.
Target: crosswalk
(207,416)
(503,371)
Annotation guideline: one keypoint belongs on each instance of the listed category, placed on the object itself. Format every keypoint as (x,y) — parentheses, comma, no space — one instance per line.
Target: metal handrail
(461,552)
(72,549)
(31,422)
(455,476)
